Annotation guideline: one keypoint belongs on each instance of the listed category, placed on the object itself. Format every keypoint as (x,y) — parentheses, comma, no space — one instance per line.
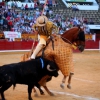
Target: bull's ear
(48,68)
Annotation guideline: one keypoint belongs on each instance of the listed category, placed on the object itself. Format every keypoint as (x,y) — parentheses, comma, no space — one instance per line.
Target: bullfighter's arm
(55,29)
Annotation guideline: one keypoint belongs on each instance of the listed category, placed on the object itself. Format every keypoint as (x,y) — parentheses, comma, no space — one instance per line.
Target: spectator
(74,7)
(5,24)
(27,28)
(26,7)
(74,23)
(86,29)
(20,19)
(16,6)
(0,15)
(31,7)
(9,13)
(53,3)
(10,24)
(61,31)
(22,7)
(85,21)
(50,12)
(12,4)
(1,23)
(79,23)
(50,3)
(63,24)
(35,5)
(91,21)
(46,8)
(9,7)
(37,13)
(5,14)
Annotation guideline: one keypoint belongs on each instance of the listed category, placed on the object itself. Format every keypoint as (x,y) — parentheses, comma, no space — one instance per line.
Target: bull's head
(53,69)
(48,68)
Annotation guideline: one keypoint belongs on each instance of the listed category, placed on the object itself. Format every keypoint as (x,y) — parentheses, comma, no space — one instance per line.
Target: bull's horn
(48,68)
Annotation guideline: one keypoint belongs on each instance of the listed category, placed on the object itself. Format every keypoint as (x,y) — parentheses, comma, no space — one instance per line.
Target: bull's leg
(2,96)
(49,92)
(35,92)
(30,91)
(41,91)
(3,88)
(69,81)
(62,85)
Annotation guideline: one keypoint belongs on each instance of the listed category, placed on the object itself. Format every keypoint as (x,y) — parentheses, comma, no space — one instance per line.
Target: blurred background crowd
(13,18)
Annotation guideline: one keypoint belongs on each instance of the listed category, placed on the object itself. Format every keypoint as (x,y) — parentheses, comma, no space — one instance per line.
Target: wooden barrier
(16,45)
(29,36)
(33,36)
(25,45)
(92,44)
(24,36)
(88,36)
(2,45)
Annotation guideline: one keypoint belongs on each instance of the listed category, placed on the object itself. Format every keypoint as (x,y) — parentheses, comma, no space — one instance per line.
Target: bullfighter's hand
(29,58)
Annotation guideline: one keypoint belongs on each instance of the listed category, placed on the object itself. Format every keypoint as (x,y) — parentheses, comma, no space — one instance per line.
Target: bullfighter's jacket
(45,31)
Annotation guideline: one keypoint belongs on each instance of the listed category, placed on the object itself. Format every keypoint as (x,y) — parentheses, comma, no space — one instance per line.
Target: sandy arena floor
(85,82)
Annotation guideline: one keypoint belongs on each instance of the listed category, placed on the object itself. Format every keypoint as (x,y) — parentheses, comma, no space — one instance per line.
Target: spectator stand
(82,4)
(19,4)
(22,20)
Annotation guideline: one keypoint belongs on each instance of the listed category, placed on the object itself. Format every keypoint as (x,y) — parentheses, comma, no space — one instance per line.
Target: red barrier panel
(9,45)
(17,45)
(24,45)
(92,44)
(27,44)
(2,45)
(95,45)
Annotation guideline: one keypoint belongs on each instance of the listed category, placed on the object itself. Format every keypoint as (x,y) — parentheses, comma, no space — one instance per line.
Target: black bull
(29,73)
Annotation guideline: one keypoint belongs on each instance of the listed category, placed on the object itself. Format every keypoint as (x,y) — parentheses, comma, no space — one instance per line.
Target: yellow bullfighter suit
(44,27)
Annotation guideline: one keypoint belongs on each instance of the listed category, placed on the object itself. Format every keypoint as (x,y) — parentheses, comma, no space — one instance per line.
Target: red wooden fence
(25,45)
(16,45)
(92,44)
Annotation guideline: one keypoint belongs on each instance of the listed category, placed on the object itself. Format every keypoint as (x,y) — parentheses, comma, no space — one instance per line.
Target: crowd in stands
(23,20)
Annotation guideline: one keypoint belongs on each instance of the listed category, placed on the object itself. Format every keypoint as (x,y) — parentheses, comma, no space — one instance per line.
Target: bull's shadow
(29,73)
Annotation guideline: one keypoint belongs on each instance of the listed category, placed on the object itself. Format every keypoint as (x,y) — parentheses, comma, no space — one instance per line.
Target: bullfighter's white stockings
(36,51)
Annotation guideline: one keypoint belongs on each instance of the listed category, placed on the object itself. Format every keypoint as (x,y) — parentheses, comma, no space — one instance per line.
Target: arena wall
(16,45)
(25,45)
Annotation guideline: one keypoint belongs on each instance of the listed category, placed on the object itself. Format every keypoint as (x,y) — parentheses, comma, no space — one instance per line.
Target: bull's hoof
(62,86)
(68,86)
(36,94)
(30,99)
(51,94)
(2,99)
(42,93)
